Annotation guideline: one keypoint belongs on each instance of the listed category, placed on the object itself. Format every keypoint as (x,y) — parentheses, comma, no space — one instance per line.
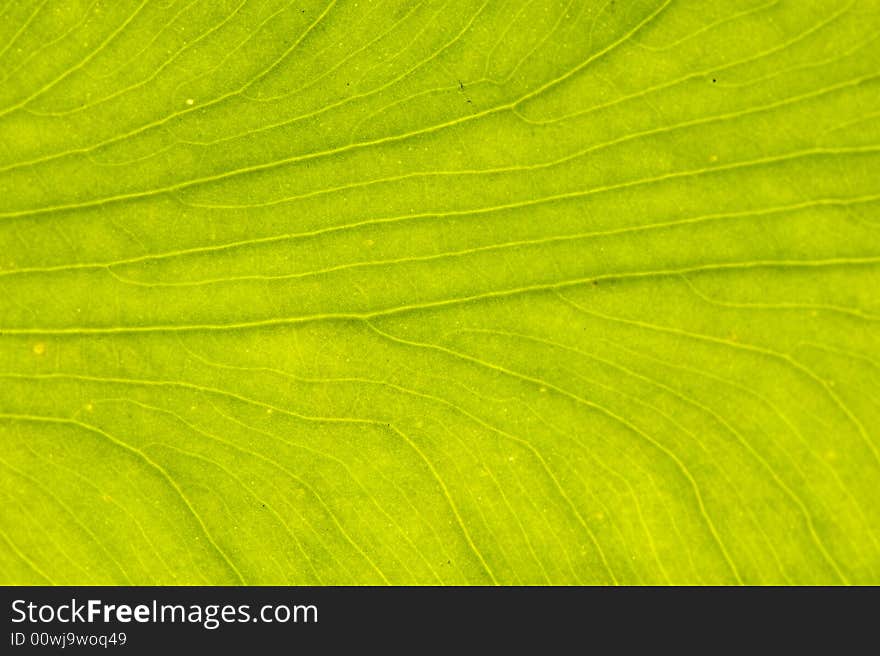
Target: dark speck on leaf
(714,80)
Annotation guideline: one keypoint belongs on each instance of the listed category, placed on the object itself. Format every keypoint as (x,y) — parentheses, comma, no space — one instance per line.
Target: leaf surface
(523,292)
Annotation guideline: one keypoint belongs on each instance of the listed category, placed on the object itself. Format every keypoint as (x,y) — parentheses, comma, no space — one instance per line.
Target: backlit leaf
(514,292)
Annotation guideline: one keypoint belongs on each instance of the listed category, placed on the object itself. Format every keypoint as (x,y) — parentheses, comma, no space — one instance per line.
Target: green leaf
(523,292)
